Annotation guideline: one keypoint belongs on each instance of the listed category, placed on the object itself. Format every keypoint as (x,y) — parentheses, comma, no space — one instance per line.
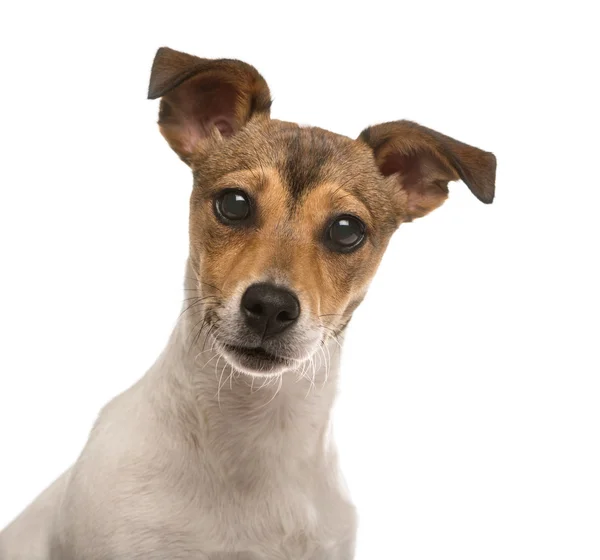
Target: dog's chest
(212,522)
(275,523)
(264,533)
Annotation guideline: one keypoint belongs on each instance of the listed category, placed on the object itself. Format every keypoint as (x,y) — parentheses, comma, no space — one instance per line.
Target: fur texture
(207,458)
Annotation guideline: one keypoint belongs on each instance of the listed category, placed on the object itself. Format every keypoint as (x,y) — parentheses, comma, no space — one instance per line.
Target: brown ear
(202,98)
(424,161)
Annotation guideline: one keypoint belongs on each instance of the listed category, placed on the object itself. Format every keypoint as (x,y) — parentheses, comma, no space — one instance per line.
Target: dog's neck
(271,419)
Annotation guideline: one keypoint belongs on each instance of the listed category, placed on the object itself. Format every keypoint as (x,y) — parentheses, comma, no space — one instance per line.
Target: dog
(222,451)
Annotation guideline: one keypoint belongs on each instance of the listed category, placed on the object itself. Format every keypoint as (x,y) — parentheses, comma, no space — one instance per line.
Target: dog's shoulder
(124,493)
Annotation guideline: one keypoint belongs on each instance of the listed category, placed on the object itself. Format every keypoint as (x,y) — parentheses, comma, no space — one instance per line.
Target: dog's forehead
(310,156)
(303,156)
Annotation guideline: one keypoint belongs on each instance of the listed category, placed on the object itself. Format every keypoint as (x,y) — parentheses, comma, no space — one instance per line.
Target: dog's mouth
(254,360)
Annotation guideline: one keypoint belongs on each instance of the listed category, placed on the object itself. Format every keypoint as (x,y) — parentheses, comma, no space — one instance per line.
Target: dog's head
(288,223)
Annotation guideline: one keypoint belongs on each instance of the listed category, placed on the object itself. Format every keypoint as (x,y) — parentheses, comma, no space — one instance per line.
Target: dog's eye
(345,233)
(232,206)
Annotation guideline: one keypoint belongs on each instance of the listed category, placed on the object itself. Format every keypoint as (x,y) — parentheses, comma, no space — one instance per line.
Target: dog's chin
(255,362)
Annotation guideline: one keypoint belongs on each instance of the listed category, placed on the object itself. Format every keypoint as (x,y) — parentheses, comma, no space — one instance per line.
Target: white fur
(197,461)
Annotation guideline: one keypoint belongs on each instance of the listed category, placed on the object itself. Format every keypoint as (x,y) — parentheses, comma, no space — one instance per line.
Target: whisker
(212,327)
(266,381)
(217,365)
(200,297)
(201,282)
(211,349)
(276,392)
(330,315)
(327,363)
(312,378)
(220,387)
(333,335)
(210,286)
(197,337)
(199,301)
(203,321)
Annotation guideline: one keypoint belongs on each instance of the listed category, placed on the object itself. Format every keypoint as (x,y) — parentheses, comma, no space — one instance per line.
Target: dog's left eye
(232,206)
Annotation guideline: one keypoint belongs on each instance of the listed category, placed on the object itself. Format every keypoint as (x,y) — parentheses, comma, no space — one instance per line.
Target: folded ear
(424,161)
(202,98)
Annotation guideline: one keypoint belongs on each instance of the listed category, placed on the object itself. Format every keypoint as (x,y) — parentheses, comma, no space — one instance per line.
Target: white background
(469,415)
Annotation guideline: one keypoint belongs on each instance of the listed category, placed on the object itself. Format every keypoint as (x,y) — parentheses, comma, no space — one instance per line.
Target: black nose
(269,309)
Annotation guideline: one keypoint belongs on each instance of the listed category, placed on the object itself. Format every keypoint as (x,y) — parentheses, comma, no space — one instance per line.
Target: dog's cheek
(210,245)
(230,258)
(217,255)
(341,282)
(320,276)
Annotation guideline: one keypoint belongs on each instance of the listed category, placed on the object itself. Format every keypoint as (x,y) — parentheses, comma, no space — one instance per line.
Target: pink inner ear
(224,125)
(422,177)
(189,113)
(397,163)
(408,168)
(416,170)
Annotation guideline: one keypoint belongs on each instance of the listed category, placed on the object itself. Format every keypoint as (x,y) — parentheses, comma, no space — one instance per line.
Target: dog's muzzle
(260,338)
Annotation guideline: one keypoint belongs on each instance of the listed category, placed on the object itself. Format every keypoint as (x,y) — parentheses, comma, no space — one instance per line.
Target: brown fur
(177,468)
(215,115)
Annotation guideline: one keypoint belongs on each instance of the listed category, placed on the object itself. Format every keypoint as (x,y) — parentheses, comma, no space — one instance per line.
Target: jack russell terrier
(222,450)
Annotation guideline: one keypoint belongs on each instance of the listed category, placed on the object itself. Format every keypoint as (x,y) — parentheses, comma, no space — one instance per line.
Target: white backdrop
(469,419)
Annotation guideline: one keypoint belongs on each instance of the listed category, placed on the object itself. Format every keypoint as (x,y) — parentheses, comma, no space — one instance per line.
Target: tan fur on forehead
(306,155)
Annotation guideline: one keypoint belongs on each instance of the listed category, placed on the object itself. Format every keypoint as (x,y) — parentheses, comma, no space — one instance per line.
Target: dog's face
(288,224)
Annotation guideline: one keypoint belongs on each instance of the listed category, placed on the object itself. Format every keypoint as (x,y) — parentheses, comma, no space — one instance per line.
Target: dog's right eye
(232,205)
